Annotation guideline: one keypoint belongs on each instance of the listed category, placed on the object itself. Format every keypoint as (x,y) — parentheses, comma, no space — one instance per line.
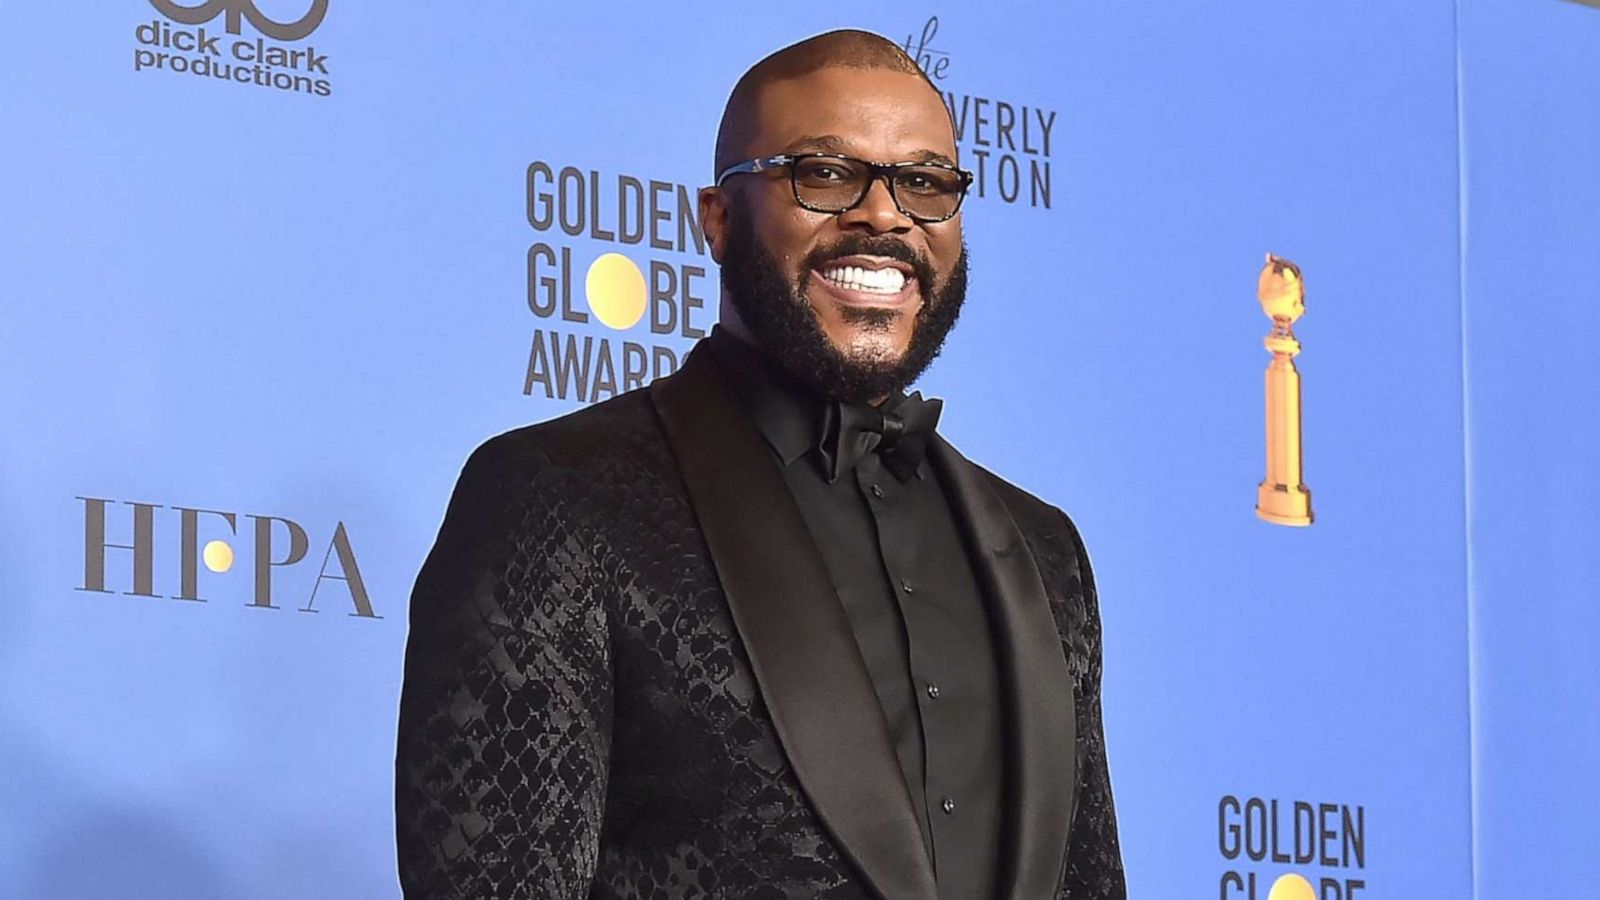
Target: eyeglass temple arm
(755,165)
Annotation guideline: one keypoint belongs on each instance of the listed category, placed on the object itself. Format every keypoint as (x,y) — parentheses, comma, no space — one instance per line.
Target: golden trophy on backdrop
(1282,497)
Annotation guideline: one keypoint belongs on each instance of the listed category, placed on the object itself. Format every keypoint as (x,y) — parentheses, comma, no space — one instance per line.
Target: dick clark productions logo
(162,46)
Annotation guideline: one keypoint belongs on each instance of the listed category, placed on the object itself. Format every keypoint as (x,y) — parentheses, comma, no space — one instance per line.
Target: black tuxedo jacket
(628,676)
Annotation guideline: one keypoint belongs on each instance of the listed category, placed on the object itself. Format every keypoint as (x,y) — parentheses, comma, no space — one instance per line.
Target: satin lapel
(804,654)
(1040,725)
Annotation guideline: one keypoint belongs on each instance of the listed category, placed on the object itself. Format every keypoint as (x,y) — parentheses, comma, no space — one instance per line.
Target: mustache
(871,245)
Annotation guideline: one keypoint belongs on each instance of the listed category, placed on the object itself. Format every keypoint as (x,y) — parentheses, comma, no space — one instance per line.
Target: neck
(728,318)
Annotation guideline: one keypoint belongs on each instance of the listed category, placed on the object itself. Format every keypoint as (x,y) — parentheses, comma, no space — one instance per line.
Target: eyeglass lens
(834,185)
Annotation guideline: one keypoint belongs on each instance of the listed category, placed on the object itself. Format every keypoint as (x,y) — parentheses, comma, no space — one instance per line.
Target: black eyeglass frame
(886,171)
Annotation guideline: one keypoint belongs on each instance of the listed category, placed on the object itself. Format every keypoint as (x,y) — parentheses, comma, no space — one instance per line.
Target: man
(756,630)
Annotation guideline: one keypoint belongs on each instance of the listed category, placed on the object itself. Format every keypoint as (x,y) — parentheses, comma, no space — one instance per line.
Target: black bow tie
(898,432)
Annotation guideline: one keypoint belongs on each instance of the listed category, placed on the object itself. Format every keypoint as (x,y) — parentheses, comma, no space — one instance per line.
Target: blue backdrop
(1530,228)
(289,291)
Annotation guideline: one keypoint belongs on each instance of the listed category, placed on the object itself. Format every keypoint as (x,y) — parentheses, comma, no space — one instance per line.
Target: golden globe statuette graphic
(1282,498)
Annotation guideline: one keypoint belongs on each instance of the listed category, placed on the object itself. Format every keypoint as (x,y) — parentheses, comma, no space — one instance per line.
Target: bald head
(846,48)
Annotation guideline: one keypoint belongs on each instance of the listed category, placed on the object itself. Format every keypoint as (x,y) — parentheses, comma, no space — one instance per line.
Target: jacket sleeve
(1094,856)
(505,709)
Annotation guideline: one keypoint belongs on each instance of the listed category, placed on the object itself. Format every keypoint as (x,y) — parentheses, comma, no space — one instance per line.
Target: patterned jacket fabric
(579,716)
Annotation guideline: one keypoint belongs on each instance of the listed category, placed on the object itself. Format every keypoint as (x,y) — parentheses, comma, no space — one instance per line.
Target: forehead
(878,114)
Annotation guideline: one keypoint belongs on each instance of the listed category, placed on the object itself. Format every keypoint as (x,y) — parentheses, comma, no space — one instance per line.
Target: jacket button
(933,691)
(877,491)
(949,806)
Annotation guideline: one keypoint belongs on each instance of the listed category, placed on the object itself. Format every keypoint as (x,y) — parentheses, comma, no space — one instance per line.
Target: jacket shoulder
(574,440)
(557,475)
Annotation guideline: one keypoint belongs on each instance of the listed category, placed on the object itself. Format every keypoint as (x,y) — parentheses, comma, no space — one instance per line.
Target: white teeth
(872,281)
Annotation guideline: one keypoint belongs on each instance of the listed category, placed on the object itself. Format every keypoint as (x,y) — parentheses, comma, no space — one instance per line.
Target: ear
(713,208)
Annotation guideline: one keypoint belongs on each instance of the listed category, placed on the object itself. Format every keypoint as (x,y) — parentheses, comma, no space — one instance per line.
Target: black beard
(781,320)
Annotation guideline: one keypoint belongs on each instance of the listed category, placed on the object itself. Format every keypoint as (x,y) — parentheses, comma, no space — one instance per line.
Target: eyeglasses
(828,183)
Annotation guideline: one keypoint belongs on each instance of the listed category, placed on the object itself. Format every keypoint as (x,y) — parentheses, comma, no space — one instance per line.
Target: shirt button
(877,491)
(949,806)
(933,690)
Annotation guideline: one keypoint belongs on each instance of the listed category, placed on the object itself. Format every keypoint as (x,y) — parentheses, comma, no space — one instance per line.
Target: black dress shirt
(897,561)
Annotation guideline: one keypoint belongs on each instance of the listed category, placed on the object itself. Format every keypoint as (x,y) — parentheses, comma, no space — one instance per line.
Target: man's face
(789,270)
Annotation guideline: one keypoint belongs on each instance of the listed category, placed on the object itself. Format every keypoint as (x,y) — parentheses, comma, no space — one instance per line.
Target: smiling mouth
(868,285)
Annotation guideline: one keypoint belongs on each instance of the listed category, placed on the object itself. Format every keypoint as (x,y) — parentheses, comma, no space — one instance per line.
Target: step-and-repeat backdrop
(272,269)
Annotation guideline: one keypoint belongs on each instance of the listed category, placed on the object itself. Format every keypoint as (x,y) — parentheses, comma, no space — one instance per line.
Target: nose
(877,211)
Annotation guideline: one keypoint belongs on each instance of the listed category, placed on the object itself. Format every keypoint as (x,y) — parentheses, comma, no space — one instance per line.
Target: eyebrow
(832,143)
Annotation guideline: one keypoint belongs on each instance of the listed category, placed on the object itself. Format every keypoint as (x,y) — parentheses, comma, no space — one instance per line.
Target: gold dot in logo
(1292,887)
(218,556)
(615,287)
